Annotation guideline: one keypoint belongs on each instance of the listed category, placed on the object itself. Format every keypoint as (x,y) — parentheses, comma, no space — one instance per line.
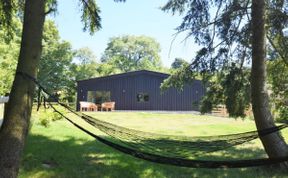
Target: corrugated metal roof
(132,73)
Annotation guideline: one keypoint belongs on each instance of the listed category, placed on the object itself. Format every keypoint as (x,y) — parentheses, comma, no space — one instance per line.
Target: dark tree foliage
(90,16)
(214,96)
(236,86)
(278,80)
(7,10)
(223,28)
(178,63)
(230,87)
(277,70)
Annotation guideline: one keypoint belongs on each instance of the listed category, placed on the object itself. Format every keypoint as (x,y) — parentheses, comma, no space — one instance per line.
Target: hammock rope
(167,149)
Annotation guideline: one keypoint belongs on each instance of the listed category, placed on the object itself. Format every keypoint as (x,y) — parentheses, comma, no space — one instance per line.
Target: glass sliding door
(98,97)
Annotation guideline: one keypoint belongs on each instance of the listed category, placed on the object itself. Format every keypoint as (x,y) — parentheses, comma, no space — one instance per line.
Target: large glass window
(98,97)
(142,97)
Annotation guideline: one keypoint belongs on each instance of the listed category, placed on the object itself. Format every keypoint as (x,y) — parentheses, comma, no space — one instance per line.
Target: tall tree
(274,144)
(129,53)
(18,111)
(85,64)
(178,63)
(232,30)
(55,61)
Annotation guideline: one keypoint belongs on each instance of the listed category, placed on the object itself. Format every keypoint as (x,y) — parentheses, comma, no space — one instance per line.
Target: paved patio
(164,112)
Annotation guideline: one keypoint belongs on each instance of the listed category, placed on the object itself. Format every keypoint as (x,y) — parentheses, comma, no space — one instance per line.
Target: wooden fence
(221,111)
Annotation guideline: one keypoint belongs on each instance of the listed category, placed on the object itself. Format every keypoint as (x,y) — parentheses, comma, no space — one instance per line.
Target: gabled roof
(127,74)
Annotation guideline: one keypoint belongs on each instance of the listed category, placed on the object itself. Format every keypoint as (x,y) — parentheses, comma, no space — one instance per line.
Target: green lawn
(61,150)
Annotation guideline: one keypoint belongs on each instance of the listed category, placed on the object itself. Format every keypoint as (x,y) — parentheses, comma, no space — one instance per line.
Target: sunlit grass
(61,150)
(177,124)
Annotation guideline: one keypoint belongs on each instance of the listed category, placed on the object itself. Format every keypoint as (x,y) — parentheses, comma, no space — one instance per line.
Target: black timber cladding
(125,87)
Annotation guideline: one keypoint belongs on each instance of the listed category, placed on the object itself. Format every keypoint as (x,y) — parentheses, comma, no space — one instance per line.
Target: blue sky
(135,17)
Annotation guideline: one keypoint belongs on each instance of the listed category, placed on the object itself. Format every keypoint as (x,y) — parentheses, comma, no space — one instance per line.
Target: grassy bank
(61,150)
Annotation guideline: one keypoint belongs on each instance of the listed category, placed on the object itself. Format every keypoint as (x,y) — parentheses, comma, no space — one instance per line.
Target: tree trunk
(274,144)
(18,111)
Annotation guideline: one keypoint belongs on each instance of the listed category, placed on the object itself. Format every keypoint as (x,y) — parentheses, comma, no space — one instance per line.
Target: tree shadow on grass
(44,157)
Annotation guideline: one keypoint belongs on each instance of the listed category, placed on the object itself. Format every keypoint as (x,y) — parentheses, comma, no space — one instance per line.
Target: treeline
(61,66)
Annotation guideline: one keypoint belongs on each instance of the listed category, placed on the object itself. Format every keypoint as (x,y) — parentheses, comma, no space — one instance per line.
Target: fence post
(3,101)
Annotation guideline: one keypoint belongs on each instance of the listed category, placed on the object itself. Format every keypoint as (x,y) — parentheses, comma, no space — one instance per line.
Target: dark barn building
(139,90)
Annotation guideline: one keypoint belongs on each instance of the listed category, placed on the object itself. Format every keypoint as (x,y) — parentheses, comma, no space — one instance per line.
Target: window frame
(142,97)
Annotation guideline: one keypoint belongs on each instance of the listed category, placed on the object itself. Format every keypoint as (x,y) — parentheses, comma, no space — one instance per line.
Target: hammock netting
(168,149)
(175,146)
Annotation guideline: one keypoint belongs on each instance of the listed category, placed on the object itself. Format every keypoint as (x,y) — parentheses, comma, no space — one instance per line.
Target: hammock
(176,146)
(168,149)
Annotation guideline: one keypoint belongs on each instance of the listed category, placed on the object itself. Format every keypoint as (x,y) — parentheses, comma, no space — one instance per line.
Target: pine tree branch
(276,49)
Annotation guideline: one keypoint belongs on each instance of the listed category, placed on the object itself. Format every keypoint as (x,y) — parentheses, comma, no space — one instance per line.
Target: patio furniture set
(89,106)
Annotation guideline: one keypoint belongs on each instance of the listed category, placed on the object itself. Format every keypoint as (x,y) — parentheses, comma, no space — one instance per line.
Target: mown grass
(61,150)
